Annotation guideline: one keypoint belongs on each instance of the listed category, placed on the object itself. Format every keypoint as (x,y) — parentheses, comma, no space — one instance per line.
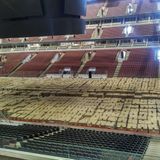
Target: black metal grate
(88,144)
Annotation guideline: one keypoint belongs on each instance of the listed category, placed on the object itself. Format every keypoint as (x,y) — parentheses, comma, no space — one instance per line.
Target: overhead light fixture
(128,30)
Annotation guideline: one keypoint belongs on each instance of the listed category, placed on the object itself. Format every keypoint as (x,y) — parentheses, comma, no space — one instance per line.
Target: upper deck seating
(145,30)
(32,39)
(114,32)
(109,32)
(53,38)
(117,7)
(147,6)
(138,30)
(87,35)
(93,8)
(11,40)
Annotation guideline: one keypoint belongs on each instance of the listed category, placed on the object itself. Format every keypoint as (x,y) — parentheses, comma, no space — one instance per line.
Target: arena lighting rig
(27,18)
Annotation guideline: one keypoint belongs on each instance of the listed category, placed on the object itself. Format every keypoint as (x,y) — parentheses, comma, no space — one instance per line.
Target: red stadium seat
(141,63)
(36,66)
(13,60)
(104,62)
(69,60)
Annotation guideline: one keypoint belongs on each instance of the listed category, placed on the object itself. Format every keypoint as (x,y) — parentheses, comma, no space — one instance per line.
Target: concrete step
(118,68)
(84,61)
(50,65)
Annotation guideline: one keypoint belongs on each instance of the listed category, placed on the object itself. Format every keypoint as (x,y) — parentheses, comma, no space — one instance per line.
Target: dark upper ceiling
(26,18)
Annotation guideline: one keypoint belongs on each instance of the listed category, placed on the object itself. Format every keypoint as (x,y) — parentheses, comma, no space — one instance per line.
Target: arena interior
(92,96)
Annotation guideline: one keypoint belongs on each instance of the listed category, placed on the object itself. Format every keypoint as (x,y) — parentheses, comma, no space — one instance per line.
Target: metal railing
(101,44)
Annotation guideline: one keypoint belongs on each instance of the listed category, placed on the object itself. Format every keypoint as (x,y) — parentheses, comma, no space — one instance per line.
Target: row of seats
(13,60)
(88,144)
(140,63)
(104,62)
(130,104)
(23,132)
(109,32)
(36,66)
(115,113)
(69,60)
(134,85)
(137,30)
(119,7)
(86,36)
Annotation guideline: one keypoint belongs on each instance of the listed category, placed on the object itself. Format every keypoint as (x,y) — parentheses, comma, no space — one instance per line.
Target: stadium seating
(141,63)
(93,8)
(104,62)
(22,132)
(109,32)
(32,39)
(91,113)
(11,40)
(13,60)
(36,66)
(72,143)
(138,30)
(119,6)
(88,144)
(85,36)
(116,103)
(147,6)
(53,38)
(70,60)
(114,32)
(145,30)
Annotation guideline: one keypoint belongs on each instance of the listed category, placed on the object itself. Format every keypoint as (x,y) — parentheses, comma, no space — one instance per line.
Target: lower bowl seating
(88,144)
